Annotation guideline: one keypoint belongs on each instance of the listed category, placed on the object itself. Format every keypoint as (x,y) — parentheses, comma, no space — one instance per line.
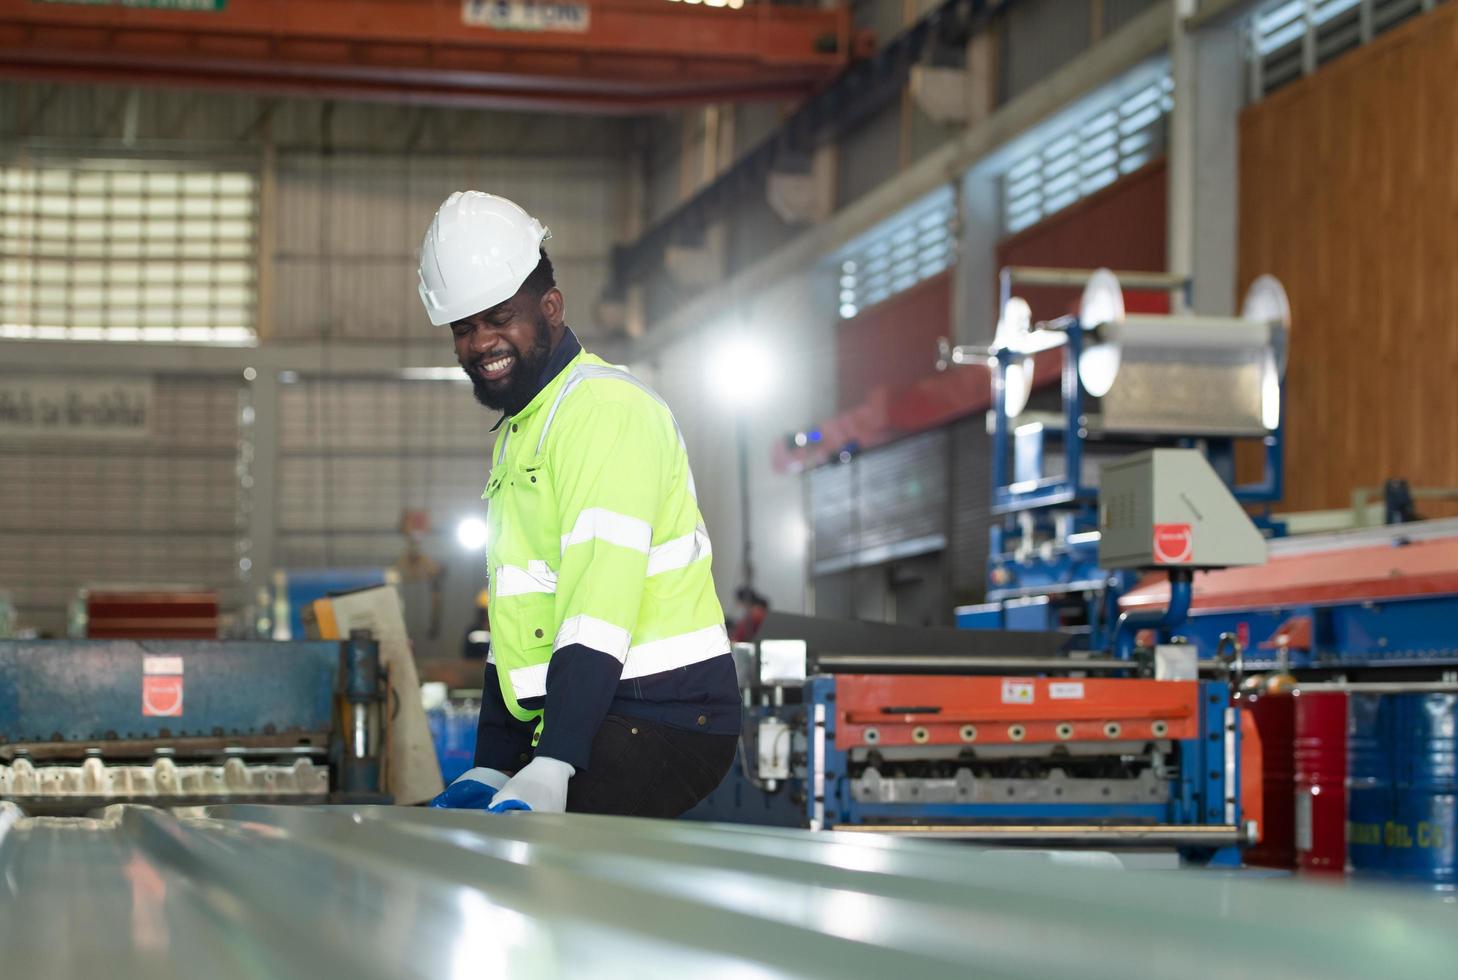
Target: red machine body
(889,710)
(1321,775)
(151,614)
(1270,756)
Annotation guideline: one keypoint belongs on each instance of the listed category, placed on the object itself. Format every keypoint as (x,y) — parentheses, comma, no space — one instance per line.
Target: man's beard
(521,385)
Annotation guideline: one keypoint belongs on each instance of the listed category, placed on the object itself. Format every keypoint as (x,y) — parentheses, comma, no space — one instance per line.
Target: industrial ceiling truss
(607,56)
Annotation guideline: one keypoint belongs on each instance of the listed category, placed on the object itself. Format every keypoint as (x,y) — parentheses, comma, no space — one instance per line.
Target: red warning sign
(162,696)
(1174,544)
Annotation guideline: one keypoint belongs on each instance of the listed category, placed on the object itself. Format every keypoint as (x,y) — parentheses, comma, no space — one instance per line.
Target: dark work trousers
(644,769)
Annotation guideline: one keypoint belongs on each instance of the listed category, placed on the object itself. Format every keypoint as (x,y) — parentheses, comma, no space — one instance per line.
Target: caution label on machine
(162,687)
(1173,543)
(1017,692)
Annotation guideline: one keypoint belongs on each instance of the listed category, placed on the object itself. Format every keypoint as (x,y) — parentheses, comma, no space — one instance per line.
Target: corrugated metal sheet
(165,510)
(376,892)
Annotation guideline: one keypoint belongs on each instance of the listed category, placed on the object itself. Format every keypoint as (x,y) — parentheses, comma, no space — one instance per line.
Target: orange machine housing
(875,709)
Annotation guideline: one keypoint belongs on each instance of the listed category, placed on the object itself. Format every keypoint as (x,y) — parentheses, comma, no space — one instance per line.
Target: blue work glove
(540,786)
(472,790)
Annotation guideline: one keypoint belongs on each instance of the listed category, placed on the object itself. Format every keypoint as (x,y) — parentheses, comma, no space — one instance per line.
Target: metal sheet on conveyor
(366,892)
(856,637)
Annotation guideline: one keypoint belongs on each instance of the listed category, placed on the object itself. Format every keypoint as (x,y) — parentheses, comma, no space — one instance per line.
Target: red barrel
(1321,774)
(1275,721)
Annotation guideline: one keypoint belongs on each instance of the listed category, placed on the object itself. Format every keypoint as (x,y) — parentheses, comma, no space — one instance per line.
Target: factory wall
(96,509)
(1121,226)
(1347,194)
(352,188)
(353,454)
(894,342)
(346,191)
(349,229)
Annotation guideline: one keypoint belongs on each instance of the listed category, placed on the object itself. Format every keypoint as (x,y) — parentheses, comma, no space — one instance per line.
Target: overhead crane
(611,56)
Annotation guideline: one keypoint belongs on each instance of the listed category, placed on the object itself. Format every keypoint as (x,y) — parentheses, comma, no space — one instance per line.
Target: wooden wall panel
(1349,194)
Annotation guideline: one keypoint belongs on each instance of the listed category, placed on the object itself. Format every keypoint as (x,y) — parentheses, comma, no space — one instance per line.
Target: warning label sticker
(1174,544)
(162,687)
(1017,692)
(161,697)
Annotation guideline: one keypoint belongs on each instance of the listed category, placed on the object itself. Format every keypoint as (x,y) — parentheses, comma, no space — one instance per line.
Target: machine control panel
(1168,508)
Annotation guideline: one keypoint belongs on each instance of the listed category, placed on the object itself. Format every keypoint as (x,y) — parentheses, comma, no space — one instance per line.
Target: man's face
(503,350)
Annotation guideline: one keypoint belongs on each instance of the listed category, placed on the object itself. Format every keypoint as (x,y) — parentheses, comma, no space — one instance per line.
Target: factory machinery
(1347,626)
(1344,603)
(1127,381)
(85,723)
(1012,736)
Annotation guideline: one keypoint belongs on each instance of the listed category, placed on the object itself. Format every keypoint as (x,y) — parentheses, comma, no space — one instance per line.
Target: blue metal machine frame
(1066,508)
(1396,632)
(88,690)
(69,699)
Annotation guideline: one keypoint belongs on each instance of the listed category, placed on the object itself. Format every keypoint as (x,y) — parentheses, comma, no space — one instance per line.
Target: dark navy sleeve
(502,741)
(581,683)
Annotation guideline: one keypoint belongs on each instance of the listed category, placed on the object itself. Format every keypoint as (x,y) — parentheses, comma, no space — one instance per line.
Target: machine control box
(1168,508)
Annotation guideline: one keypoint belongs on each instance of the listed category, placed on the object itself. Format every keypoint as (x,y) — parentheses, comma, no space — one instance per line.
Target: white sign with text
(45,408)
(527,15)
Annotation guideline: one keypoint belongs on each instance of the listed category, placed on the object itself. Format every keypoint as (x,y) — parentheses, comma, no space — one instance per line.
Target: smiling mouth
(496,368)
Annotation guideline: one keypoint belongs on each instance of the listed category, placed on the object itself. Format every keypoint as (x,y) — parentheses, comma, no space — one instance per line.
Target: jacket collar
(563,354)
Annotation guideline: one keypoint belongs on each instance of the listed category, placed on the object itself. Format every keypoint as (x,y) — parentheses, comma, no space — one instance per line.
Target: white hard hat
(477,252)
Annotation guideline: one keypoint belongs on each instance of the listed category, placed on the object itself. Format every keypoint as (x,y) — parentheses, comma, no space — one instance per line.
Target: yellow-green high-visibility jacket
(601,595)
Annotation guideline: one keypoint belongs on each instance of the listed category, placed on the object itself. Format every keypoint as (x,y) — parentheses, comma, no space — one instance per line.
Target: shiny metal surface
(252,891)
(1152,835)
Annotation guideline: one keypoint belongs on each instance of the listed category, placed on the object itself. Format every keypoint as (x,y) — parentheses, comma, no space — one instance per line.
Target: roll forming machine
(994,737)
(1016,736)
(84,723)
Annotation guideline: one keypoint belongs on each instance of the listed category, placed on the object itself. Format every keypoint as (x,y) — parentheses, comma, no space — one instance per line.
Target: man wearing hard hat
(609,687)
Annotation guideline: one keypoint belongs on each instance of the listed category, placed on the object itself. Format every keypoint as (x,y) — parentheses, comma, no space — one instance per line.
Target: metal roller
(1157,372)
(1015,333)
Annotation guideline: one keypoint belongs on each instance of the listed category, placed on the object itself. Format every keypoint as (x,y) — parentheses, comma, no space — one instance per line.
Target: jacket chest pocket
(525,547)
(522,514)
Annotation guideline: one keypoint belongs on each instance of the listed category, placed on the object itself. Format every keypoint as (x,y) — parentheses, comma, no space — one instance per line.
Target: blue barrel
(457,748)
(1370,807)
(1423,839)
